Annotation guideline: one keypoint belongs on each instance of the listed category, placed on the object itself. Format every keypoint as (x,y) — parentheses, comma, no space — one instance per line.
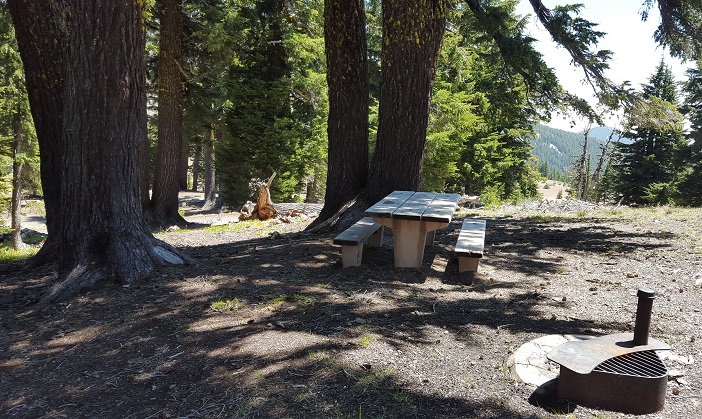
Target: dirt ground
(550,190)
(268,324)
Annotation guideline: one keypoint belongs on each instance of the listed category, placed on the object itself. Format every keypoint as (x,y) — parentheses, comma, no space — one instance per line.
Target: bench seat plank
(470,244)
(358,232)
(364,231)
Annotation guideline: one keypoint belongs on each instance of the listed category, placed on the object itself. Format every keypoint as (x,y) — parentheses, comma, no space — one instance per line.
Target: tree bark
(196,166)
(164,198)
(184,163)
(347,78)
(412,34)
(209,173)
(102,230)
(310,194)
(39,40)
(16,204)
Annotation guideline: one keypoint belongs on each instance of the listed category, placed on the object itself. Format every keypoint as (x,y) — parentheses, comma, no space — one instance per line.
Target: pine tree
(691,176)
(18,142)
(646,170)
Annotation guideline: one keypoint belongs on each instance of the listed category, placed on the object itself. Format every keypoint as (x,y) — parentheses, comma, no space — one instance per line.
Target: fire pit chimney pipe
(643,315)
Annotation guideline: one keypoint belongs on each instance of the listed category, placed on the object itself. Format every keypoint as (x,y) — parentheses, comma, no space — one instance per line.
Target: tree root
(330,222)
(125,263)
(185,259)
(46,254)
(79,278)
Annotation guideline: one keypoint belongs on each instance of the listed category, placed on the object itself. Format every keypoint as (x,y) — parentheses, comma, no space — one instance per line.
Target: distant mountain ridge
(559,149)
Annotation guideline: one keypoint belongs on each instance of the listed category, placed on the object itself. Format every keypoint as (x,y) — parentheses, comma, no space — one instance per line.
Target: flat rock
(529,365)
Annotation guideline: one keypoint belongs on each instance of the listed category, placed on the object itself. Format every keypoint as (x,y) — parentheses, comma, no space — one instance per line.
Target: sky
(635,54)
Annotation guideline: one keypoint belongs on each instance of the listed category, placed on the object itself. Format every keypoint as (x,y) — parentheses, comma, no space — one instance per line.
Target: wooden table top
(416,206)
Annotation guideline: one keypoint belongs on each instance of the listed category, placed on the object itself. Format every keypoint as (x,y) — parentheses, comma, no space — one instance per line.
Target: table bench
(365,231)
(470,244)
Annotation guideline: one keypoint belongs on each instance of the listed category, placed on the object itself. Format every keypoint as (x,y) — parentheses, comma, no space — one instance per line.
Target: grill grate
(636,364)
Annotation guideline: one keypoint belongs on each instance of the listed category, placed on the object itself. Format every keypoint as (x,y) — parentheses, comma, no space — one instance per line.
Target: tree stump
(264,209)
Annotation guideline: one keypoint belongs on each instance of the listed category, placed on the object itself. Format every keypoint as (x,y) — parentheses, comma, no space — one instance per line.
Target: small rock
(676,391)
(360,320)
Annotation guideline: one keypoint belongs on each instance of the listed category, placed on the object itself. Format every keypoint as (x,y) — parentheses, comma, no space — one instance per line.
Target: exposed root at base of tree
(133,266)
(45,255)
(348,214)
(157,223)
(79,278)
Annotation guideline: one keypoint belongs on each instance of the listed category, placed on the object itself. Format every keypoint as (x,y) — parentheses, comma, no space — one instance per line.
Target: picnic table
(413,218)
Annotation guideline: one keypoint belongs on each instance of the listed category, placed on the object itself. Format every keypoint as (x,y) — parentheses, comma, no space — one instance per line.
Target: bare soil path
(268,324)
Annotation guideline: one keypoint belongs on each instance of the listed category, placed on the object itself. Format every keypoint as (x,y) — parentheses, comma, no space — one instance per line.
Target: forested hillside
(557,150)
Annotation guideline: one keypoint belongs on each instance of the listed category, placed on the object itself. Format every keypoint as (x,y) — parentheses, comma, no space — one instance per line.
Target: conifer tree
(691,176)
(18,143)
(646,170)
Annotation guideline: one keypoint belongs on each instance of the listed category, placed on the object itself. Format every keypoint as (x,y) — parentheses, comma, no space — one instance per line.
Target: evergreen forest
(341,101)
(254,101)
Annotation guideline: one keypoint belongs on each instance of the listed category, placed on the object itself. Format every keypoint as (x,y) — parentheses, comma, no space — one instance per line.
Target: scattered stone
(684,360)
(682,381)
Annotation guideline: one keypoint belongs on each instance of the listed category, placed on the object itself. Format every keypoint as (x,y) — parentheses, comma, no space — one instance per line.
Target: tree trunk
(347,78)
(39,37)
(17,182)
(209,169)
(310,194)
(412,34)
(196,166)
(602,163)
(102,228)
(184,163)
(164,198)
(581,169)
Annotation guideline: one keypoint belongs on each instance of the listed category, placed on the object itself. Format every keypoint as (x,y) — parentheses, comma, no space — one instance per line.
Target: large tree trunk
(38,38)
(164,198)
(412,34)
(102,228)
(347,78)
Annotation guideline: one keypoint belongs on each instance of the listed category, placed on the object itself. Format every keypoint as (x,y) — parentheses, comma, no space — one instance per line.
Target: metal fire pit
(620,372)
